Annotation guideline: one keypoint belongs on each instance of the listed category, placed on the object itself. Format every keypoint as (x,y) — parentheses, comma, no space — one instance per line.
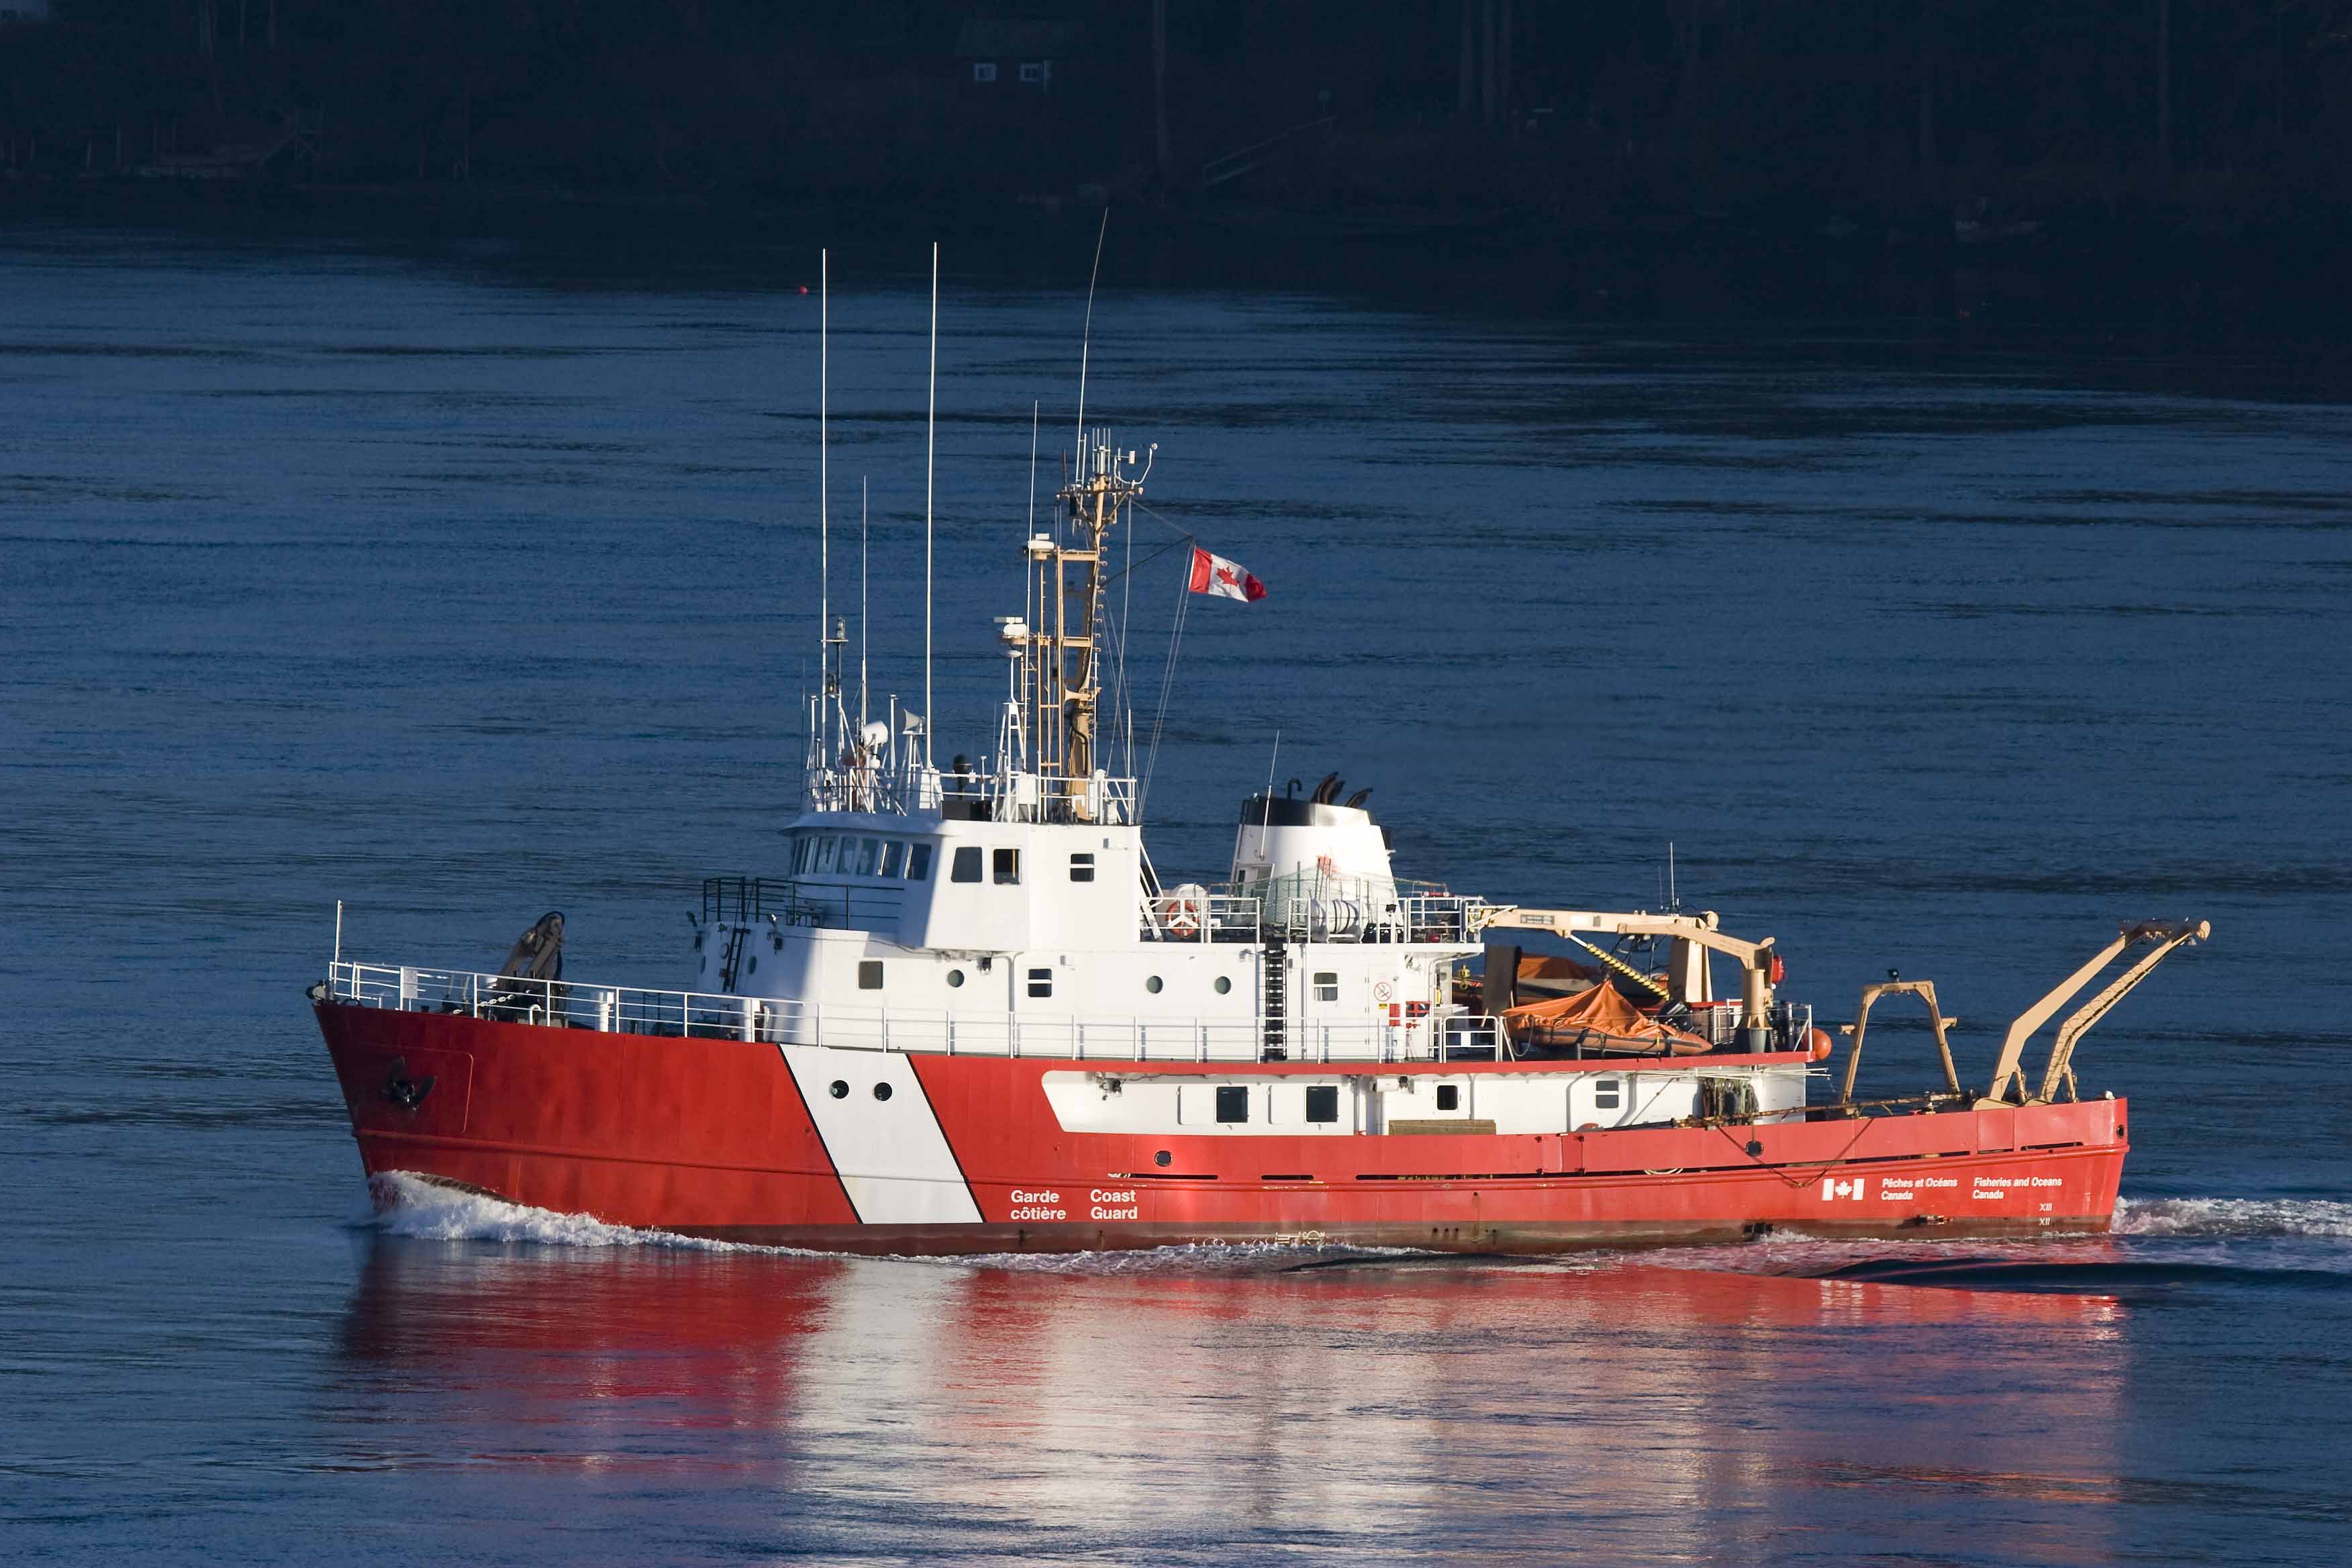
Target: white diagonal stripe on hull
(893,1159)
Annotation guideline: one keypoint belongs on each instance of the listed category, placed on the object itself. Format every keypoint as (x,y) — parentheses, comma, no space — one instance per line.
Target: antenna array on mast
(1062,666)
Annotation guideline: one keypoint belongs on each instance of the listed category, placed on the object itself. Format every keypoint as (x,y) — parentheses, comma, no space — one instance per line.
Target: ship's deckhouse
(994,895)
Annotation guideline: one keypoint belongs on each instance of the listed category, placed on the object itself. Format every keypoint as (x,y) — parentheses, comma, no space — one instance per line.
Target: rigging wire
(1167,687)
(1126,602)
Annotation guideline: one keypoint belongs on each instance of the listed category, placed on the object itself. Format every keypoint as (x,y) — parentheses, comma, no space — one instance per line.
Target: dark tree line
(1579,107)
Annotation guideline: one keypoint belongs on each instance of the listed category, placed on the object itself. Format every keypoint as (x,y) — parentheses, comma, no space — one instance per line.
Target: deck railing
(634,1010)
(1192,914)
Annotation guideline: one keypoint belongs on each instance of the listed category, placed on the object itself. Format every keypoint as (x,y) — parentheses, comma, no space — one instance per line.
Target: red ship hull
(714,1138)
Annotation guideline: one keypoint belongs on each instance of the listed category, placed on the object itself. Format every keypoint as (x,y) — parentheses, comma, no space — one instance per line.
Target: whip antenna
(824,492)
(1087,338)
(861,607)
(931,464)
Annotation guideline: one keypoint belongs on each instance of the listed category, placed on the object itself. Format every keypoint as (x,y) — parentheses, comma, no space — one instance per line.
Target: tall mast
(1067,640)
(824,490)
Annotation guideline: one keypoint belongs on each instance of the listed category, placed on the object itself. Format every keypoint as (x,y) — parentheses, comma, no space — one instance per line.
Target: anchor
(402,1091)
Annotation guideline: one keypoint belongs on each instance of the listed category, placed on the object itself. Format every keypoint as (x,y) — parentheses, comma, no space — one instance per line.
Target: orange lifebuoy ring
(1181,916)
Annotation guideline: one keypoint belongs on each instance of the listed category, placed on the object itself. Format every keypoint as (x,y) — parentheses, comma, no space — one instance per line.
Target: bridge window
(1232,1102)
(893,856)
(869,975)
(869,857)
(801,847)
(1041,983)
(1082,867)
(1327,985)
(918,863)
(1449,1097)
(1006,865)
(967,864)
(1323,1102)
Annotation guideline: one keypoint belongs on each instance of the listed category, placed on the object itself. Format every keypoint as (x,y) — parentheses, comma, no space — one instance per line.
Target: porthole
(753,968)
(838,1089)
(1162,1158)
(881,1092)
(955,978)
(1153,985)
(1225,983)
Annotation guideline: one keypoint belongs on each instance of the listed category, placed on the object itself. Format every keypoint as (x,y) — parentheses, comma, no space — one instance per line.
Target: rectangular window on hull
(1008,866)
(1323,1102)
(1232,1102)
(1327,985)
(1449,1097)
(918,863)
(1605,1093)
(1041,983)
(1082,867)
(869,975)
(967,864)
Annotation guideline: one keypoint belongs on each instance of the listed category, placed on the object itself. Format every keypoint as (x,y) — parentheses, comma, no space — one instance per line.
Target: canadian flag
(1226,579)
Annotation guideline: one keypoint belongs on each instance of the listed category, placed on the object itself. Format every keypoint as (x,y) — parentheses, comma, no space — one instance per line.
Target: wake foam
(401,1205)
(2225,1217)
(397,1204)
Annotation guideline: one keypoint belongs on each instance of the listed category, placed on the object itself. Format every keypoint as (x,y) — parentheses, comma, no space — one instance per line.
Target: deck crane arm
(1698,931)
(2007,1073)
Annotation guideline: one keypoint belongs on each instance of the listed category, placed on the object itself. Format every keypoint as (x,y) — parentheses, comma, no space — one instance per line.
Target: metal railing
(904,788)
(634,1010)
(1191,915)
(1182,914)
(848,905)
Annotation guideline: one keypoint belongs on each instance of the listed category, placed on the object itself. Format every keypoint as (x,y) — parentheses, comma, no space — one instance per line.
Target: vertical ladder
(1275,995)
(731,963)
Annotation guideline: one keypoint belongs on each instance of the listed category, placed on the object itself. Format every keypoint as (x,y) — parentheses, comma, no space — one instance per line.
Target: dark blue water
(460,589)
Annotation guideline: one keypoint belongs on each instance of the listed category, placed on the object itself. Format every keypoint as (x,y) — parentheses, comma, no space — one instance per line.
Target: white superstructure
(1019,885)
